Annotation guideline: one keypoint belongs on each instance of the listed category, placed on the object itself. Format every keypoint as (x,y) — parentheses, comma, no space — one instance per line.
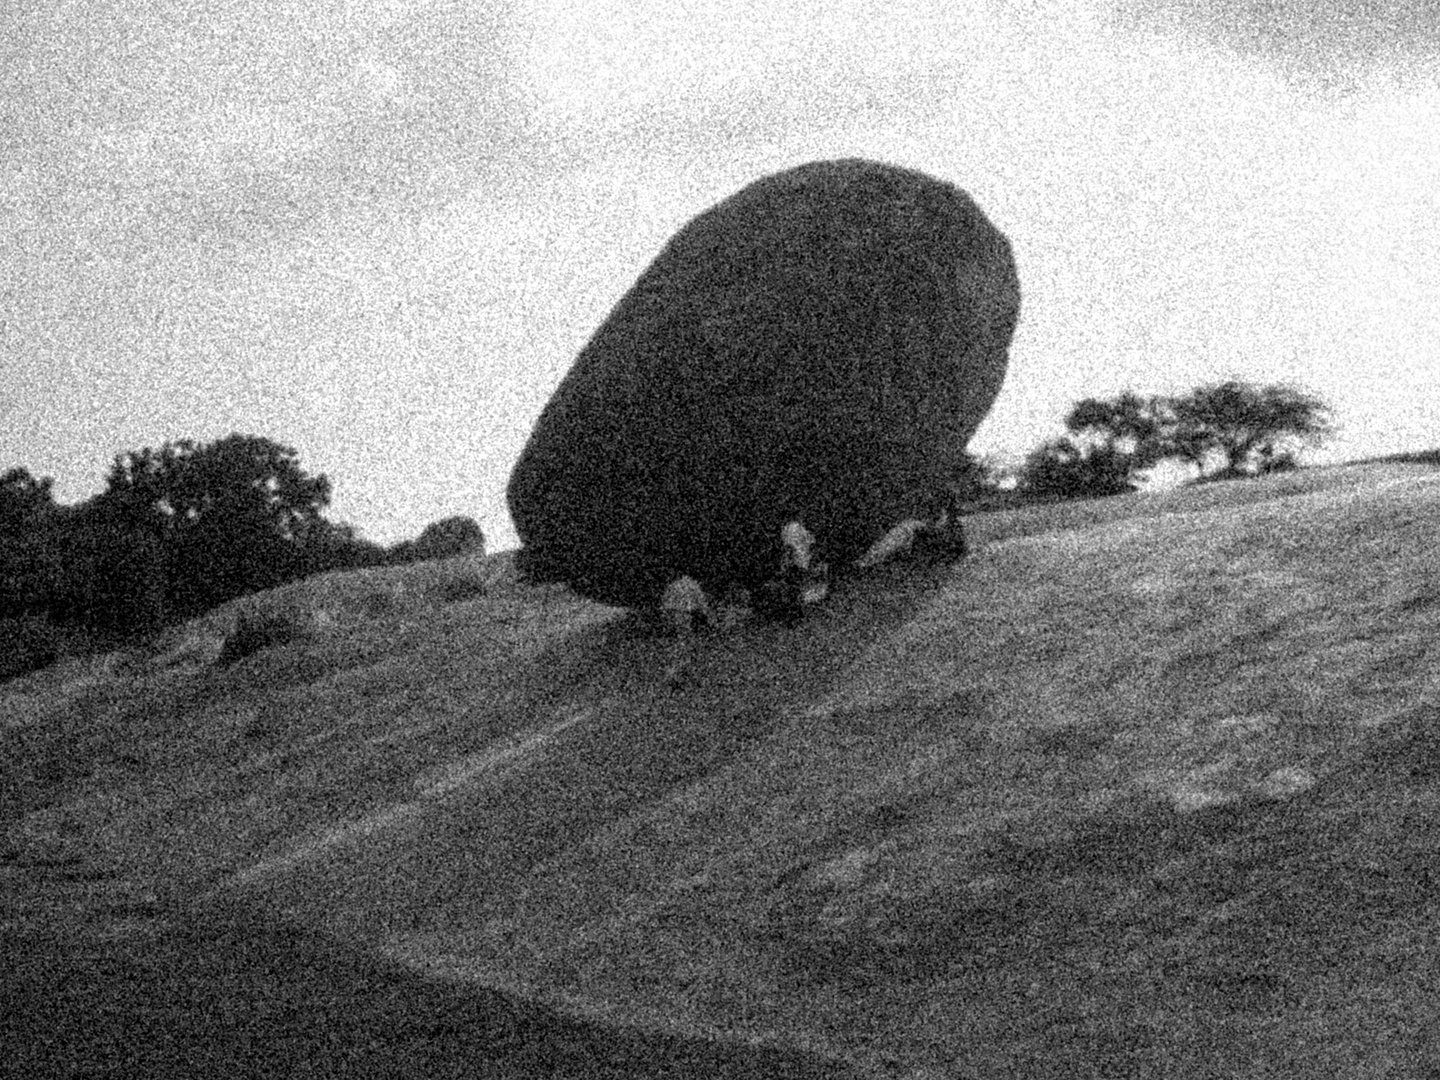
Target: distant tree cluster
(182,529)
(176,532)
(1225,431)
(440,540)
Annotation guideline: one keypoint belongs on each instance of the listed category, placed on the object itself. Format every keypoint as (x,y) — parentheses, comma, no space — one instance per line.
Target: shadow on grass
(230,992)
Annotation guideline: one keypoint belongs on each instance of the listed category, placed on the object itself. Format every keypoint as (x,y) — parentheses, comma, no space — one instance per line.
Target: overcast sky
(378,231)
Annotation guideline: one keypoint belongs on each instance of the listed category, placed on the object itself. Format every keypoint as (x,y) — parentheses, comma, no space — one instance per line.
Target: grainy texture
(818,347)
(1149,789)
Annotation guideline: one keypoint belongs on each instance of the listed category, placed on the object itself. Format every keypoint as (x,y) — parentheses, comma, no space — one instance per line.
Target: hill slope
(1144,784)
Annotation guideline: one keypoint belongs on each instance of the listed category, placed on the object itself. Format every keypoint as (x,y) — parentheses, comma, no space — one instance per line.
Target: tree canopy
(1252,429)
(1064,468)
(239,477)
(232,516)
(23,499)
(1225,430)
(1128,427)
(176,531)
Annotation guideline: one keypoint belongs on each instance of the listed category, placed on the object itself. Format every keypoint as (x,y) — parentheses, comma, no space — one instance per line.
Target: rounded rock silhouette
(818,348)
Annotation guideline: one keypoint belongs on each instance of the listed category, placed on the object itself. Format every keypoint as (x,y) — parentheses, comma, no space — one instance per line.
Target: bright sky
(379,230)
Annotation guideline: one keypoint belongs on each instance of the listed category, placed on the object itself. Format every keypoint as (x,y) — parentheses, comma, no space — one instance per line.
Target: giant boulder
(818,347)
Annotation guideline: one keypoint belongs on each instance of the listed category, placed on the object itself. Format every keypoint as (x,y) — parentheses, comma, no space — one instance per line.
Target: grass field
(1145,787)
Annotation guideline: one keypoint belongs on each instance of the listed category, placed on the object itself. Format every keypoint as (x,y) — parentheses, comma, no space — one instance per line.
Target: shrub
(1062,468)
(440,540)
(257,630)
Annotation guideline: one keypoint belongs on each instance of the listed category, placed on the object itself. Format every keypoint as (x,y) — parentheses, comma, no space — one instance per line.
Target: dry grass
(1144,787)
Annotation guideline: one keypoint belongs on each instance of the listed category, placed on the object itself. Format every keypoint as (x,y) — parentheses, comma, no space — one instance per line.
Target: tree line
(1225,431)
(182,529)
(176,531)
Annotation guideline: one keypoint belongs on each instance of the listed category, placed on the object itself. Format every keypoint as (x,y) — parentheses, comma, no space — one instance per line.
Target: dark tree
(1063,469)
(441,539)
(237,476)
(1252,429)
(108,573)
(1128,427)
(1110,442)
(230,515)
(327,545)
(23,501)
(27,511)
(82,576)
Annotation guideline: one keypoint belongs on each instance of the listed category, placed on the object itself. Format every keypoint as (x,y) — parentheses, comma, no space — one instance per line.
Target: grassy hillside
(1146,786)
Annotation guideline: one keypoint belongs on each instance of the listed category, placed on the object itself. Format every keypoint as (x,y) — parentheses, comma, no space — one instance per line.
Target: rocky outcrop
(817,348)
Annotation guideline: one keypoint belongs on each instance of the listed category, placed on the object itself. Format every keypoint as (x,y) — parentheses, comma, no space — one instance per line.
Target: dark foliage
(237,477)
(1128,431)
(27,510)
(27,572)
(24,503)
(1252,429)
(111,571)
(1063,469)
(231,515)
(79,566)
(441,539)
(818,347)
(326,545)
(176,532)
(1110,442)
